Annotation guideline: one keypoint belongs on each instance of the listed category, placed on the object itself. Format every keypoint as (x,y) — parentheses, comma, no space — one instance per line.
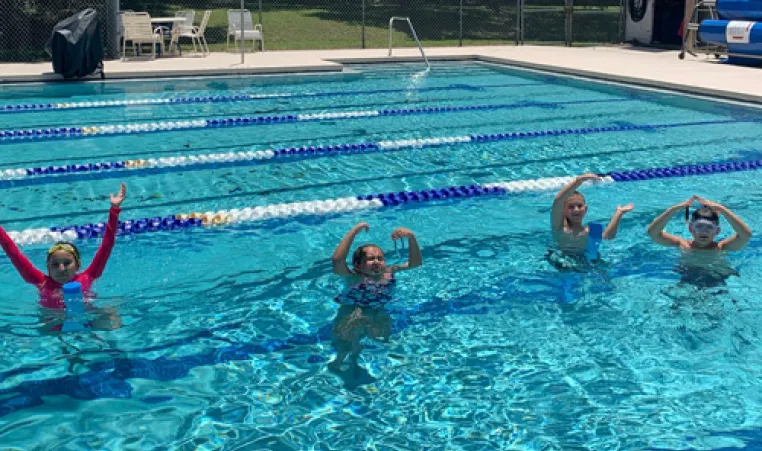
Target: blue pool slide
(740,9)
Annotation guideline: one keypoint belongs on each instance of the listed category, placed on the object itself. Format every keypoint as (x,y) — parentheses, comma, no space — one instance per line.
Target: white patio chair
(179,28)
(245,32)
(185,27)
(196,34)
(120,26)
(138,30)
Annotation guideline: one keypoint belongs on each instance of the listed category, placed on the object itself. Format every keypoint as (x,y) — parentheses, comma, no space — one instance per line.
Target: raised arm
(613,227)
(28,272)
(414,252)
(557,213)
(339,257)
(656,229)
(95,270)
(743,232)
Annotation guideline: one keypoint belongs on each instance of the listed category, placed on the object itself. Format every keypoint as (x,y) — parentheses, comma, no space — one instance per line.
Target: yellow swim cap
(68,247)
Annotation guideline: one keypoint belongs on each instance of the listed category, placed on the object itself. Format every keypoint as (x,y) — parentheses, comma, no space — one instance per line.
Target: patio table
(170,21)
(167,20)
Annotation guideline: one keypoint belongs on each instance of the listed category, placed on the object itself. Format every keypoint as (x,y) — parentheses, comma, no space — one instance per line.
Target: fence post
(243,6)
(623,19)
(112,23)
(363,24)
(569,10)
(519,25)
(460,36)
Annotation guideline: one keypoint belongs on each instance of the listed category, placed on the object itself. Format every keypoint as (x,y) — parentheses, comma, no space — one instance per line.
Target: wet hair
(359,254)
(67,246)
(576,193)
(702,213)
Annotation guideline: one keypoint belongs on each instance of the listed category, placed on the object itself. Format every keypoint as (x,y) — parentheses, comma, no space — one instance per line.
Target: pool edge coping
(330,65)
(717,94)
(336,65)
(51,77)
(635,81)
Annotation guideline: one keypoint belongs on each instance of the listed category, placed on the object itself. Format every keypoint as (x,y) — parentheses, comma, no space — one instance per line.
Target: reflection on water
(223,335)
(704,269)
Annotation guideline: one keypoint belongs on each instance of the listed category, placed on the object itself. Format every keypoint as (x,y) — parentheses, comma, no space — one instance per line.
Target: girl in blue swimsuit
(369,287)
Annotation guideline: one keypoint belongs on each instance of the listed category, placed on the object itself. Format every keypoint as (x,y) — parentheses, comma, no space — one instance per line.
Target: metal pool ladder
(415,35)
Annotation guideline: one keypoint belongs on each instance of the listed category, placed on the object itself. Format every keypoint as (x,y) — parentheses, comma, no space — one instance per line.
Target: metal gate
(545,21)
(571,21)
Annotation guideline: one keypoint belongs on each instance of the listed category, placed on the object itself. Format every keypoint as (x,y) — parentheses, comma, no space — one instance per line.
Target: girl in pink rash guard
(64,261)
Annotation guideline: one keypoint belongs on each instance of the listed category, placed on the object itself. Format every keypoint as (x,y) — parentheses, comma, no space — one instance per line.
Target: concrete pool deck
(643,66)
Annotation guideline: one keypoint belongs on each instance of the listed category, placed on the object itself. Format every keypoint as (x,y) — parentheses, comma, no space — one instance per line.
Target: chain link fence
(25,25)
(572,21)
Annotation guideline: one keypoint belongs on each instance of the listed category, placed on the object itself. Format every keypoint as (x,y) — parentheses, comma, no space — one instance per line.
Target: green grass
(334,24)
(300,27)
(307,29)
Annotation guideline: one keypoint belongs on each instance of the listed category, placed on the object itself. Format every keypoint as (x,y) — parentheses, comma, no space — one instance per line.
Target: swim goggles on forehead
(704,225)
(64,247)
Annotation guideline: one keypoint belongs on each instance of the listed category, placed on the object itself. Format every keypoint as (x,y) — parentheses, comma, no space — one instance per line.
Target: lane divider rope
(251,156)
(238,97)
(358,203)
(153,127)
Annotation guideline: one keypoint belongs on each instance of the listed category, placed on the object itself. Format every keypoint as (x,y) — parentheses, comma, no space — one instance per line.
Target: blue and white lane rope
(197,124)
(359,203)
(240,97)
(320,151)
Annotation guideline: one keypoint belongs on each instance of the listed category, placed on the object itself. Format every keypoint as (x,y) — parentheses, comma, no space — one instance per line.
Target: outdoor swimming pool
(225,330)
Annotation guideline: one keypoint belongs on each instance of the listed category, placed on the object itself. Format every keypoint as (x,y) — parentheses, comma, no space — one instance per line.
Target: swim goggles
(704,226)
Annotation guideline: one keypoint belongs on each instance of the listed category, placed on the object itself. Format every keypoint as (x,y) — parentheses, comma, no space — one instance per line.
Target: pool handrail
(415,36)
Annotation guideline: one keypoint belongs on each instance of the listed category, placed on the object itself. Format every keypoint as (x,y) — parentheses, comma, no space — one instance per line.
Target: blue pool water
(225,332)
